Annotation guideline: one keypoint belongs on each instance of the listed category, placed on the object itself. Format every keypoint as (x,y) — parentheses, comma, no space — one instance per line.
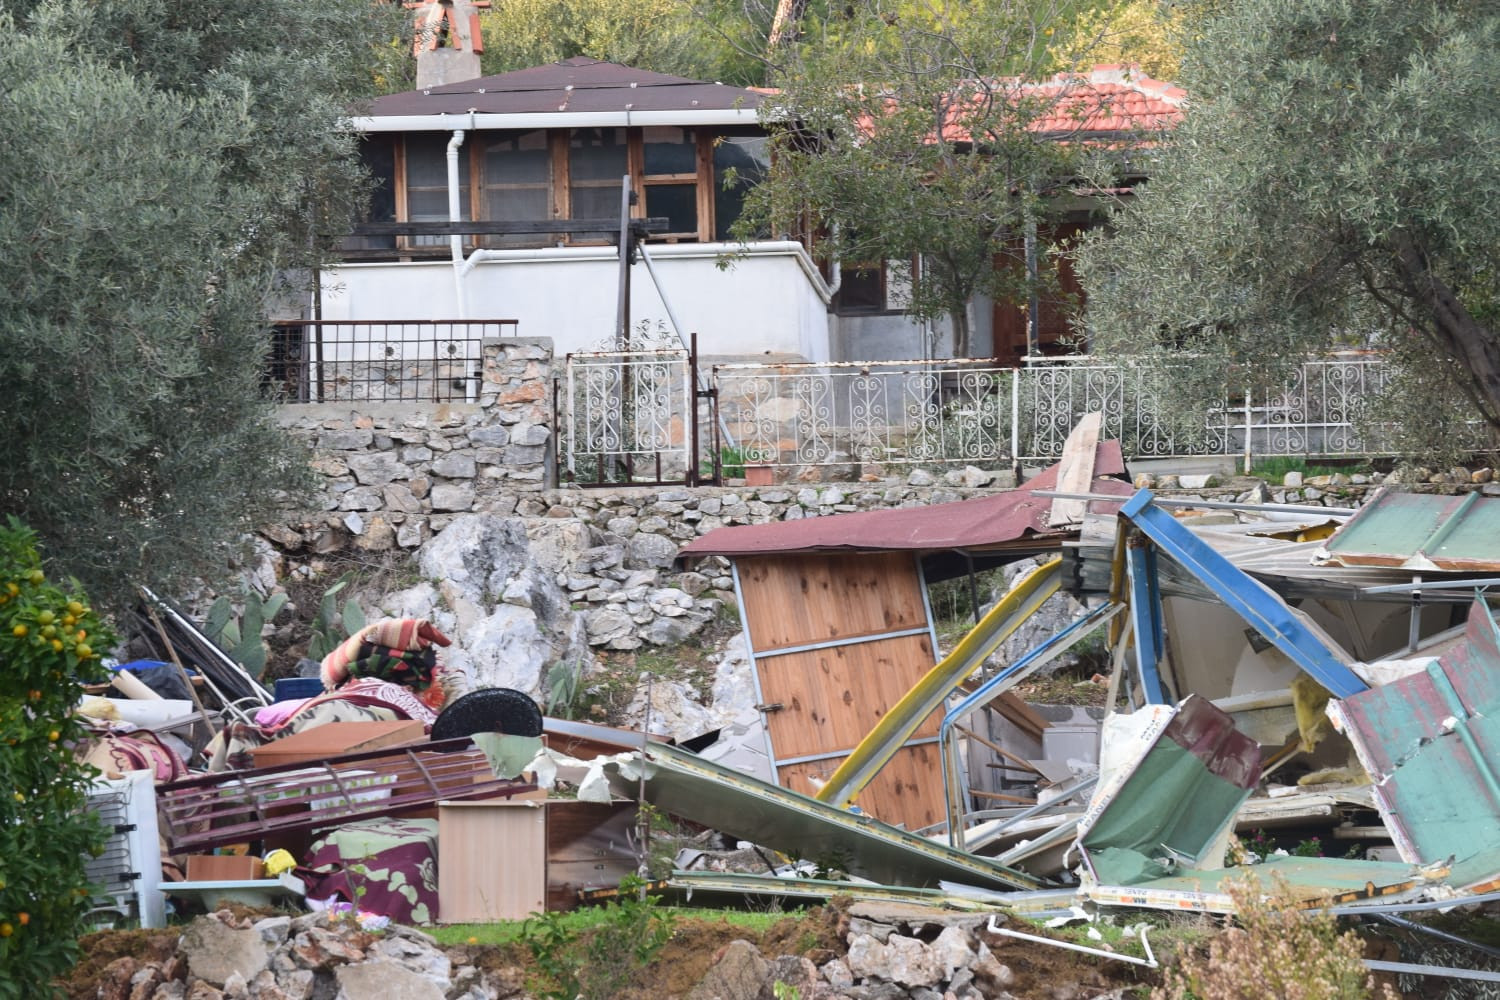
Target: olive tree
(913,131)
(1333,183)
(165,166)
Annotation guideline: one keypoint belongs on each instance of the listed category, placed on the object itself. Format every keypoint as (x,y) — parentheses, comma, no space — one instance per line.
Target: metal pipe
(455,212)
(1270,508)
(1149,961)
(993,688)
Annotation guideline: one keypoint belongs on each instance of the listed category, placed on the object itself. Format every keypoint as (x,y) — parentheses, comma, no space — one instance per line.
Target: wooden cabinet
(492,860)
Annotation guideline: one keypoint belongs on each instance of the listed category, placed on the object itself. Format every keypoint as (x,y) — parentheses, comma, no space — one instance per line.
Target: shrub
(1278,950)
(48,641)
(598,963)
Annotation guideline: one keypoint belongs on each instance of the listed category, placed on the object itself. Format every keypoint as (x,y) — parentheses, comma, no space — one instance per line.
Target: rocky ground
(862,951)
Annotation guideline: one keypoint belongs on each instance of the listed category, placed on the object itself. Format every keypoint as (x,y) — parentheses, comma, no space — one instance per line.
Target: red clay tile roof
(1108,101)
(1110,98)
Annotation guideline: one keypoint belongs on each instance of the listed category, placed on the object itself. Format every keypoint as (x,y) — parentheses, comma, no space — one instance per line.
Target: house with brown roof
(517,155)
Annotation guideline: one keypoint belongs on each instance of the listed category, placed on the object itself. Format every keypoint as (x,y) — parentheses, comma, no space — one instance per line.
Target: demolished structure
(1271,669)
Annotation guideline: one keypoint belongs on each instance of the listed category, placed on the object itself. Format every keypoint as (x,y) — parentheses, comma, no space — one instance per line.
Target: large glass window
(516,181)
(427,183)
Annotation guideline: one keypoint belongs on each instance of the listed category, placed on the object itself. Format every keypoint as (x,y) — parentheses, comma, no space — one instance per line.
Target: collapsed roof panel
(1421,531)
(1431,743)
(688,786)
(988,522)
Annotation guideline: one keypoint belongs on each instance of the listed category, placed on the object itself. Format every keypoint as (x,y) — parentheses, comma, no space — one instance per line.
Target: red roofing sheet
(577,85)
(966,524)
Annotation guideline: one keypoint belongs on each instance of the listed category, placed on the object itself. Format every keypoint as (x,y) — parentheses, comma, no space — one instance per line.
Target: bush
(598,963)
(1278,950)
(48,642)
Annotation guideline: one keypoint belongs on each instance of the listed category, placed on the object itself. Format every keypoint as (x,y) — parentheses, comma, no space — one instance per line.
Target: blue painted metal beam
(1265,612)
(1145,618)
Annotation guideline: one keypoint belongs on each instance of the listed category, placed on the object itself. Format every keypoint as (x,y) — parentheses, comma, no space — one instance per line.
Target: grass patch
(585,918)
(1275,467)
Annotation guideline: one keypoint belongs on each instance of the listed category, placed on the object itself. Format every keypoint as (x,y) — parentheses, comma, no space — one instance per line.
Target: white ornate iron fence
(627,416)
(967,411)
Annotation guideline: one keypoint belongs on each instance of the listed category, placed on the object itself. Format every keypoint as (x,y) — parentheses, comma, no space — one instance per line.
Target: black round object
(489,710)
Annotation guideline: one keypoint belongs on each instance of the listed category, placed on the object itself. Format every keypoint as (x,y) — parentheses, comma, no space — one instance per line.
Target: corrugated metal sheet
(579,85)
(696,789)
(1431,743)
(985,522)
(1420,531)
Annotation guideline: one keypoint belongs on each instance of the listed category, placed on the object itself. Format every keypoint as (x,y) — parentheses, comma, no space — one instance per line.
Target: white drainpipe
(455,211)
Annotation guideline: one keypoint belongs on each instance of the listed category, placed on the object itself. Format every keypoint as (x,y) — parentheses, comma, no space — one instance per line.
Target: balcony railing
(332,361)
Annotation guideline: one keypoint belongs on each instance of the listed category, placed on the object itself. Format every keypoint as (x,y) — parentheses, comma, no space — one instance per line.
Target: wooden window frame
(560,186)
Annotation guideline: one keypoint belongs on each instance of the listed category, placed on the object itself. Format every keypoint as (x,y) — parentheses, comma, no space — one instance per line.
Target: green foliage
(48,638)
(702,41)
(240,638)
(627,935)
(1312,198)
(563,696)
(870,89)
(332,624)
(1278,950)
(166,165)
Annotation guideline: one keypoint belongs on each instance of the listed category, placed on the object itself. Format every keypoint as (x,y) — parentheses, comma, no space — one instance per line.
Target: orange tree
(49,642)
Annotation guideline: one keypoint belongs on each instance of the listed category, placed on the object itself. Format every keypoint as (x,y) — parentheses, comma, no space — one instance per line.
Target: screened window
(670,177)
(597,159)
(427,183)
(749,157)
(516,181)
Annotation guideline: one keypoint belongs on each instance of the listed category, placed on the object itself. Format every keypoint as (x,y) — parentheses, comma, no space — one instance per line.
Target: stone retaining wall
(395,472)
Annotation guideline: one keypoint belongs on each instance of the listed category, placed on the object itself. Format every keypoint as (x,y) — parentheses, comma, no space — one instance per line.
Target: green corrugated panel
(1471,538)
(1392,529)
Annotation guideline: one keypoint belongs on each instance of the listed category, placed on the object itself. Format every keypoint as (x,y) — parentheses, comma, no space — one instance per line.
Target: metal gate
(634,416)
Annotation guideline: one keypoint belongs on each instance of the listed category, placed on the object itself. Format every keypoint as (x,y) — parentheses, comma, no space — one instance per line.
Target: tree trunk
(1476,345)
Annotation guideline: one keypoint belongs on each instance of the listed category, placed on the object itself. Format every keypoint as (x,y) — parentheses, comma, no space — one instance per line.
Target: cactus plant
(241,638)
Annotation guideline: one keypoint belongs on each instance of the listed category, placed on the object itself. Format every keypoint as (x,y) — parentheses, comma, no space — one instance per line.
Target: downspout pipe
(455,212)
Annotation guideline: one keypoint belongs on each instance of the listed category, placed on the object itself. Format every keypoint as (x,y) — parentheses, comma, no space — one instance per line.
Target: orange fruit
(74,608)
(46,618)
(23,919)
(36,577)
(6,930)
(83,650)
(19,631)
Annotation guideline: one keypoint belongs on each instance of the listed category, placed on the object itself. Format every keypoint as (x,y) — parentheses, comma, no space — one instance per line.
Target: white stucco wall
(769,300)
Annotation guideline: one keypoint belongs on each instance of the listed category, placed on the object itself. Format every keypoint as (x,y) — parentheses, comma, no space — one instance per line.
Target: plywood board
(800,599)
(828,698)
(831,698)
(492,860)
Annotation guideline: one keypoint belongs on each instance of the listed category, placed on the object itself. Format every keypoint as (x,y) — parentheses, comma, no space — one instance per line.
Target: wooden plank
(487,227)
(1019,714)
(1076,473)
(493,864)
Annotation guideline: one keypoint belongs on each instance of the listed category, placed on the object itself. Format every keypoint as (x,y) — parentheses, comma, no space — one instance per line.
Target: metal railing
(328,361)
(969,411)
